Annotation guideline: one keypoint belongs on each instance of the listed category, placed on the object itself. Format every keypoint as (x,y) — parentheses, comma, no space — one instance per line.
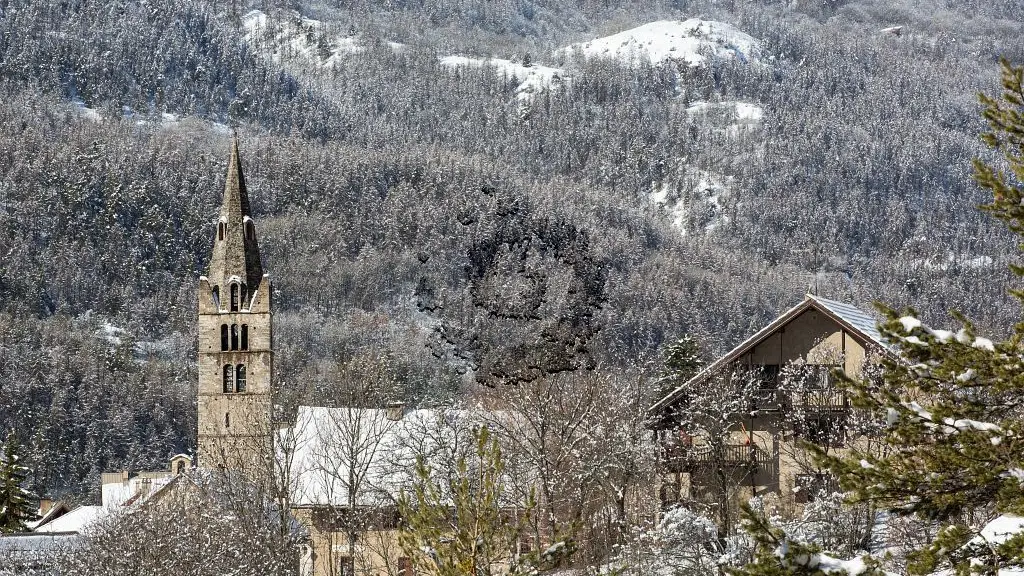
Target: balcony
(682,458)
(820,400)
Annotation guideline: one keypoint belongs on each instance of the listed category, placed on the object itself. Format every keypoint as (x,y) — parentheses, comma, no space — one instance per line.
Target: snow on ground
(943,263)
(87,113)
(743,112)
(534,78)
(697,195)
(297,38)
(691,42)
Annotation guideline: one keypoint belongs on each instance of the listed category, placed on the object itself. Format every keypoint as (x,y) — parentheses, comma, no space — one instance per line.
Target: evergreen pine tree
(684,358)
(15,501)
(952,407)
(466,525)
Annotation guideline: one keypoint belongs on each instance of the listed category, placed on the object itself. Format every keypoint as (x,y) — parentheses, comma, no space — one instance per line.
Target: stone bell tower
(236,359)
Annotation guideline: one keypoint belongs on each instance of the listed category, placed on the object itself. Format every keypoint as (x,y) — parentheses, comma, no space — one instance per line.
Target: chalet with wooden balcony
(787,372)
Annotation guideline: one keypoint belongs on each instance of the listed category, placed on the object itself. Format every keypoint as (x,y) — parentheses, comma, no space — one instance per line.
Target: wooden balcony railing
(682,458)
(821,400)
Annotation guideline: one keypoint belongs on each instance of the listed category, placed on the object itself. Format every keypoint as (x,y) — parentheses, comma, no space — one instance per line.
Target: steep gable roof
(852,319)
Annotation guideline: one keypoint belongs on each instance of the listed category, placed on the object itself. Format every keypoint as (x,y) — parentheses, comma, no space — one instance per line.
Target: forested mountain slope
(432,224)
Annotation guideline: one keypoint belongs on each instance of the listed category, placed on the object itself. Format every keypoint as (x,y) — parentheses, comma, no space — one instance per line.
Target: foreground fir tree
(16,506)
(953,408)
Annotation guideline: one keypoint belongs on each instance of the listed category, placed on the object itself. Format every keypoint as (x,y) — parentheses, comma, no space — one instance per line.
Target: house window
(826,432)
(223,337)
(234,336)
(405,566)
(344,566)
(240,378)
(234,297)
(228,378)
(245,336)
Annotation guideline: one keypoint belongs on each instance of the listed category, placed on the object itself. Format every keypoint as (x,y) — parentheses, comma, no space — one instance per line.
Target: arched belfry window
(240,378)
(234,297)
(229,373)
(223,337)
(234,336)
(245,337)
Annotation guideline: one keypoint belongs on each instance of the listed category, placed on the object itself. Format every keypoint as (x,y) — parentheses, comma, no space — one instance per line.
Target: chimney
(395,411)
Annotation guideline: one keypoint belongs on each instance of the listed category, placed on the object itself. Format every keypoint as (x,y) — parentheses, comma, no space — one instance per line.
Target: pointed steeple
(236,198)
(236,253)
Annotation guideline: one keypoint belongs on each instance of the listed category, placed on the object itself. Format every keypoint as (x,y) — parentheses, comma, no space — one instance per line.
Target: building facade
(781,382)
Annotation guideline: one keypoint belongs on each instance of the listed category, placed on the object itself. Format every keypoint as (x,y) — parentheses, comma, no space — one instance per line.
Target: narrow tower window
(220,231)
(223,337)
(216,297)
(245,337)
(227,420)
(240,378)
(234,336)
(250,231)
(234,297)
(228,378)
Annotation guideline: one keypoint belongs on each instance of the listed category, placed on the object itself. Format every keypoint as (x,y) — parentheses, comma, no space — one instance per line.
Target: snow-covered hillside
(534,78)
(690,41)
(297,39)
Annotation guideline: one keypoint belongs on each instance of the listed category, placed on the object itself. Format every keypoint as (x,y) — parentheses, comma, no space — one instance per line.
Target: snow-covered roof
(855,317)
(852,319)
(76,520)
(27,547)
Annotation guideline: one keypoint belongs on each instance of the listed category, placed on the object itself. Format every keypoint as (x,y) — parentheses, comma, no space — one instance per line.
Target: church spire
(236,254)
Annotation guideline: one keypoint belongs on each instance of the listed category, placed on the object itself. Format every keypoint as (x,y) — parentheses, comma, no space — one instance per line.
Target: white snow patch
(87,113)
(983,344)
(290,38)
(534,79)
(695,190)
(949,260)
(690,41)
(966,375)
(910,323)
(1000,530)
(741,114)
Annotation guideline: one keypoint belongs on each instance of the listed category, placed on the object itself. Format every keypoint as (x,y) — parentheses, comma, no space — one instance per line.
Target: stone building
(787,371)
(236,358)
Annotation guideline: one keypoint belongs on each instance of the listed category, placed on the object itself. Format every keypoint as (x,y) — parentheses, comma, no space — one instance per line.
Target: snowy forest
(424,173)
